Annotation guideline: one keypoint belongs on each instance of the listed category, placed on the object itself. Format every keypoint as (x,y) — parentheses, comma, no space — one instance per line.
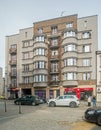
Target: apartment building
(53,57)
(98,64)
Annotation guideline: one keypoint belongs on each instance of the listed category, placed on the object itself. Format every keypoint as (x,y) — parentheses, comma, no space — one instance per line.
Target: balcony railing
(12,50)
(12,62)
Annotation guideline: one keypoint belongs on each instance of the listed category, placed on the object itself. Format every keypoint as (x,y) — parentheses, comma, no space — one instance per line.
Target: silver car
(65,100)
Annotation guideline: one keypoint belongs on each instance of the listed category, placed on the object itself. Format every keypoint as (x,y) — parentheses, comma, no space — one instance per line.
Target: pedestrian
(94,100)
(89,101)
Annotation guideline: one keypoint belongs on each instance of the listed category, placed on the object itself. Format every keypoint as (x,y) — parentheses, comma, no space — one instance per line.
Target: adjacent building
(53,57)
(98,64)
(1,81)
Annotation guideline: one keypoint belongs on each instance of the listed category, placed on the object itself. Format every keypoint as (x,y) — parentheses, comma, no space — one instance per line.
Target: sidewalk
(49,118)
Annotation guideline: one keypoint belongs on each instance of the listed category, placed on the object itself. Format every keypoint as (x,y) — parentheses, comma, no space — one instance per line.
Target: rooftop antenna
(62,13)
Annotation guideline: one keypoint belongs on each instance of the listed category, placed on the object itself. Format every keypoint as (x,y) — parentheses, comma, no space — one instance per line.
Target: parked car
(65,100)
(93,114)
(28,100)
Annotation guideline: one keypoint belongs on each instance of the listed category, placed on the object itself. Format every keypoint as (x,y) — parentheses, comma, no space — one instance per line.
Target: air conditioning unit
(98,89)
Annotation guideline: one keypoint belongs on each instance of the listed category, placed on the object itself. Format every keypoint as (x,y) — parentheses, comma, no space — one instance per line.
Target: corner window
(69,34)
(39,39)
(70,62)
(40,78)
(39,51)
(70,47)
(70,76)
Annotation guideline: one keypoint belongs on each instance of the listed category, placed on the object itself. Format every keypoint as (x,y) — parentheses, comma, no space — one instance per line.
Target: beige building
(98,88)
(53,57)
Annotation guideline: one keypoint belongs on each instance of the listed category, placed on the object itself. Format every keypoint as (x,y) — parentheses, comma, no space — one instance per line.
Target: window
(40,78)
(13,46)
(54,42)
(39,51)
(54,67)
(54,77)
(40,31)
(26,80)
(13,70)
(13,57)
(85,24)
(26,55)
(86,48)
(86,35)
(25,44)
(69,34)
(40,39)
(70,47)
(26,68)
(14,82)
(54,30)
(25,34)
(70,76)
(86,62)
(54,52)
(70,62)
(86,76)
(40,64)
(69,25)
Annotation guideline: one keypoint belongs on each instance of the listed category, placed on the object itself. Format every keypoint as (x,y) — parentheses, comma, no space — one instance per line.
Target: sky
(20,14)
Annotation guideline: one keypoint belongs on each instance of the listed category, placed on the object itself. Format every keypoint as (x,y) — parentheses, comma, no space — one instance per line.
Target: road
(42,117)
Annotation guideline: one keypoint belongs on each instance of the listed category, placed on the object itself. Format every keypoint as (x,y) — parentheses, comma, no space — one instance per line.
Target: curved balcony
(69,69)
(40,71)
(40,84)
(70,83)
(69,40)
(69,54)
(40,44)
(40,58)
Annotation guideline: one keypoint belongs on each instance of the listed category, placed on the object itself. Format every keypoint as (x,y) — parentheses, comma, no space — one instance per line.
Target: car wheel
(17,103)
(73,104)
(33,104)
(99,120)
(52,104)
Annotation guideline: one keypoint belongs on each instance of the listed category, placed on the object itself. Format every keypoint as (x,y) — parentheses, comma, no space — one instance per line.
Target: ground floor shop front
(82,92)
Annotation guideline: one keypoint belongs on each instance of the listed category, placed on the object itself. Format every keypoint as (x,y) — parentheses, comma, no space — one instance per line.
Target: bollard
(19,107)
(5,106)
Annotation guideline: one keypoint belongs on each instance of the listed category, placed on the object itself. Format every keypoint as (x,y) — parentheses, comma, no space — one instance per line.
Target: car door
(60,101)
(28,99)
(22,100)
(66,100)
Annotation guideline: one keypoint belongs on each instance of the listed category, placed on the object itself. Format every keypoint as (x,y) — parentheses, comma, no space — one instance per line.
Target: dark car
(28,100)
(93,114)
